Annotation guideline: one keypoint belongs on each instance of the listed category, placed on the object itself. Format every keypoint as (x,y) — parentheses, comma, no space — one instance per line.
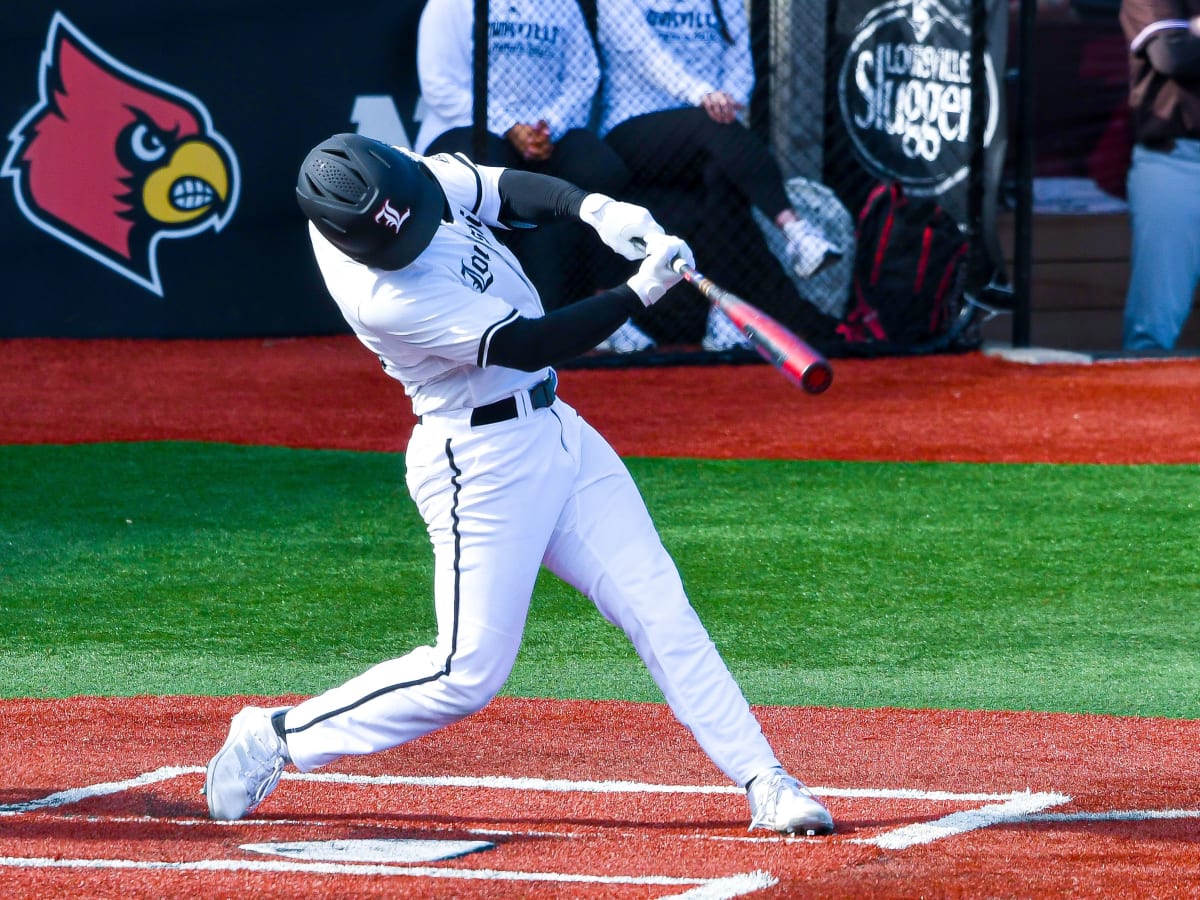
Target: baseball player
(506,475)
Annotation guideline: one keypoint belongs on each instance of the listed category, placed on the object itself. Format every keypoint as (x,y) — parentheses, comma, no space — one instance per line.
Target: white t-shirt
(541,65)
(665,54)
(429,323)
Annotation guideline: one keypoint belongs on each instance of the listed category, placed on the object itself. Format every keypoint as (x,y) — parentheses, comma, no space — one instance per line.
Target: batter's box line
(104,789)
(722,888)
(1000,809)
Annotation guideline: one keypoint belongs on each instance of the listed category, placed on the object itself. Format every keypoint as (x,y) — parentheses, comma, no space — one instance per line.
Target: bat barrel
(800,363)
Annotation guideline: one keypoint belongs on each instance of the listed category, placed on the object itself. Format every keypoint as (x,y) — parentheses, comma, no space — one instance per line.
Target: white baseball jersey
(429,322)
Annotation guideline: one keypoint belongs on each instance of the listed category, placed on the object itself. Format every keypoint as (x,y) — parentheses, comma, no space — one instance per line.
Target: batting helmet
(376,204)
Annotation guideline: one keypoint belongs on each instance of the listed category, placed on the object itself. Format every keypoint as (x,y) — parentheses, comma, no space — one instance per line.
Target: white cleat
(247,767)
(781,803)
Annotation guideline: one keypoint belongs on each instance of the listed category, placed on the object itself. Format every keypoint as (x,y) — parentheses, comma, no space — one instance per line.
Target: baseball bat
(800,363)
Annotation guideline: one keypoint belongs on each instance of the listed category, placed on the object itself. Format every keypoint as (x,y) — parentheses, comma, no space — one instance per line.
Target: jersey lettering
(476,271)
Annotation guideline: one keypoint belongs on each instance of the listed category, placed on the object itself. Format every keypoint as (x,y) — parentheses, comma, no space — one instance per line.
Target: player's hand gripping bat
(800,363)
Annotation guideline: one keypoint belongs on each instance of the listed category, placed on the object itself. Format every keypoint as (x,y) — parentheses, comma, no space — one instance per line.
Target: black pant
(686,148)
(565,260)
(701,179)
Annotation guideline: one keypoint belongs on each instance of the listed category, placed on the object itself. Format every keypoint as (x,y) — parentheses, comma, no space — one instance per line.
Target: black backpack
(910,270)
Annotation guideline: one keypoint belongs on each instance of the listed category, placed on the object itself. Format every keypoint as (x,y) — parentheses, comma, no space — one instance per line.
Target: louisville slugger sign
(904,91)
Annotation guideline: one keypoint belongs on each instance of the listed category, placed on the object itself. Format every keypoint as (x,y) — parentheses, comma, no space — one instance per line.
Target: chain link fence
(752,128)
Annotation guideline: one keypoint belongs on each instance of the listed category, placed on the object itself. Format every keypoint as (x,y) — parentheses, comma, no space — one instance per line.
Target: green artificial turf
(175,568)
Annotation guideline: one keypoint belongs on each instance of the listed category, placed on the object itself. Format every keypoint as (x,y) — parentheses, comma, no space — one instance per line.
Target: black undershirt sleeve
(530,344)
(527,198)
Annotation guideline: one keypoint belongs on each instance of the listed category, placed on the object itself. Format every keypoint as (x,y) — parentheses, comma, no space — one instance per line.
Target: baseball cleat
(781,803)
(248,766)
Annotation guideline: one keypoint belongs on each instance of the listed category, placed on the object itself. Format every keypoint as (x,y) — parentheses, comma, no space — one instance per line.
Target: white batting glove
(657,273)
(619,224)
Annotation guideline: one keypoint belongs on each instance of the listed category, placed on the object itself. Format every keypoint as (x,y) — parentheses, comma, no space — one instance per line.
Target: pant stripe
(445,670)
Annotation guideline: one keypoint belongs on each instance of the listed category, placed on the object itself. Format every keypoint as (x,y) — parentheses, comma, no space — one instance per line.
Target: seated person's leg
(462,140)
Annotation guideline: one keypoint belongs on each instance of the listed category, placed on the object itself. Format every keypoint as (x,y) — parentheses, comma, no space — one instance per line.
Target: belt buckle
(541,394)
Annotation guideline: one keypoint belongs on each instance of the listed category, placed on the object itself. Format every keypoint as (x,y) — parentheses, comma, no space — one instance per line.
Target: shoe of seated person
(248,766)
(779,802)
(721,334)
(626,339)
(809,251)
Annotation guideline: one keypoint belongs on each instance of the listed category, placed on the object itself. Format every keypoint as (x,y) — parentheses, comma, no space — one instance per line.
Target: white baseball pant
(500,501)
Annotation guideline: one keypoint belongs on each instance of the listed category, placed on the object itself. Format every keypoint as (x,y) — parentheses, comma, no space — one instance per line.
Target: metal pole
(976,173)
(760,51)
(479,67)
(1023,224)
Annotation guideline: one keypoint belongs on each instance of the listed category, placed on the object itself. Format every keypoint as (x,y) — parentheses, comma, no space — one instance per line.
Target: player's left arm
(531,344)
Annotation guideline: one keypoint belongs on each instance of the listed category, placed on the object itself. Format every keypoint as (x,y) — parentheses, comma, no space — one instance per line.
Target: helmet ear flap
(373,202)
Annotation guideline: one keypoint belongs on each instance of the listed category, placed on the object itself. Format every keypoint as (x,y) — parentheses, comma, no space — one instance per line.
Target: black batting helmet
(376,204)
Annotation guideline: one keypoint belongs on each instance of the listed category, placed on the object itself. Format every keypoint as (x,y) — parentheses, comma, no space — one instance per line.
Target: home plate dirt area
(541,798)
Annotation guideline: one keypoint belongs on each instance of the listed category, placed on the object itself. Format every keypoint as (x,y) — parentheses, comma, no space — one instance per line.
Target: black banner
(904,102)
(151,150)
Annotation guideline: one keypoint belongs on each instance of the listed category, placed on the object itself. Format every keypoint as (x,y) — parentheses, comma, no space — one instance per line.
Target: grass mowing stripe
(207,568)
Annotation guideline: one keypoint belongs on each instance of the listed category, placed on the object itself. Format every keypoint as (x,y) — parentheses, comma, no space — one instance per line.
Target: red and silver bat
(799,362)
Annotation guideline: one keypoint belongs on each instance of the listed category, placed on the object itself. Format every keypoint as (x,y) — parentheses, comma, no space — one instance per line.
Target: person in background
(543,77)
(677,78)
(508,477)
(1164,178)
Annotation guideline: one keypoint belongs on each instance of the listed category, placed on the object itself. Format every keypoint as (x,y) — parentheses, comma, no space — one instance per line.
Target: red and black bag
(910,271)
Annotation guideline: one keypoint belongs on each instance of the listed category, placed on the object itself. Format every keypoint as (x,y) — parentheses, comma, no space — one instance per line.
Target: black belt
(540,396)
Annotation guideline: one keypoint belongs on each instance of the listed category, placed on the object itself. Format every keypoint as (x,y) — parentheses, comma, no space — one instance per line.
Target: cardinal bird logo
(111,161)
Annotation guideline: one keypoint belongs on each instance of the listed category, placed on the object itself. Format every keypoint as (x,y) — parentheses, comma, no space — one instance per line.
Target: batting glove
(657,273)
(619,224)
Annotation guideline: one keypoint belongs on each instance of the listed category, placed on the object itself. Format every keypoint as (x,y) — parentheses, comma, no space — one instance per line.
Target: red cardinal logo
(110,160)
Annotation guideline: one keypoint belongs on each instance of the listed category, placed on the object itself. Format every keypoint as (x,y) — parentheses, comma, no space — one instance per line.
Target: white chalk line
(999,808)
(1016,808)
(729,886)
(78,795)
(1021,810)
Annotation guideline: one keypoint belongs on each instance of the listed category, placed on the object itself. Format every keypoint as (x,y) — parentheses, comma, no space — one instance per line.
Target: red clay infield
(328,392)
(573,799)
(584,799)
